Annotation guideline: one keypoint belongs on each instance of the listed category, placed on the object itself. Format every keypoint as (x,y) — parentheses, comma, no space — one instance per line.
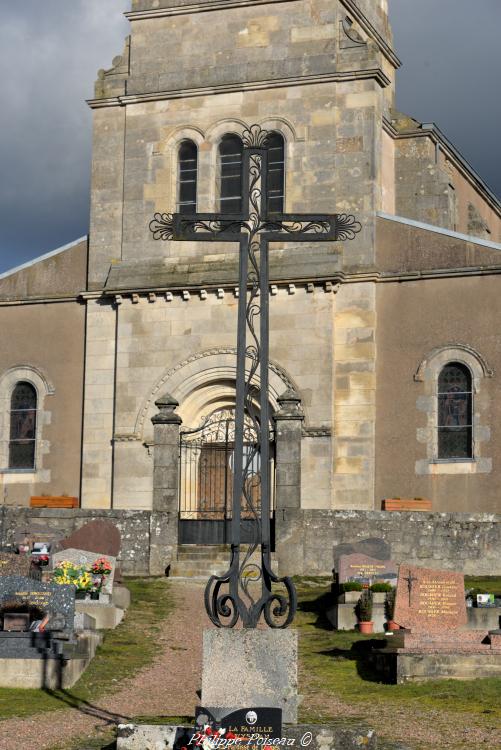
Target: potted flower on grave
(100,569)
(363,610)
(78,575)
(389,609)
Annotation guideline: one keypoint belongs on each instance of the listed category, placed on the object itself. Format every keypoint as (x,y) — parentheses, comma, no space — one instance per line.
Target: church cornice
(206,6)
(331,286)
(229,88)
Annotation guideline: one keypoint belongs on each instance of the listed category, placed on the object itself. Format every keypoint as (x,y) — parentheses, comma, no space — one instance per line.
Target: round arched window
(455,412)
(23,426)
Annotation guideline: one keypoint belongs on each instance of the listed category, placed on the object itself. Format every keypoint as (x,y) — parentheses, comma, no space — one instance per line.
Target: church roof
(60,273)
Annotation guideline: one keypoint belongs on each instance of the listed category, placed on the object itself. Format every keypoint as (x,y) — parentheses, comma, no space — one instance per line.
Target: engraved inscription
(437,598)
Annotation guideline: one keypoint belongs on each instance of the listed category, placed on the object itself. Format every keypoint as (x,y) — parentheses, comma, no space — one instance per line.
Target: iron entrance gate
(206,482)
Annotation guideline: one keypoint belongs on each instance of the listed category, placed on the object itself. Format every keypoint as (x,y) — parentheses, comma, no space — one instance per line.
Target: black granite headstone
(57,601)
(245,722)
(372,547)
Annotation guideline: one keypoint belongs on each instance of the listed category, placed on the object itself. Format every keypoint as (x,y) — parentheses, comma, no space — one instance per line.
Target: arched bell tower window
(188,173)
(23,426)
(455,401)
(230,160)
(276,173)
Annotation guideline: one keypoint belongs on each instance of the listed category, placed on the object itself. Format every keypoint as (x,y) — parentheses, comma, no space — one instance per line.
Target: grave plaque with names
(430,600)
(18,593)
(366,570)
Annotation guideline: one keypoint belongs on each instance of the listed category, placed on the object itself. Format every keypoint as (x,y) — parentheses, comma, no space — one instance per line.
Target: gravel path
(167,687)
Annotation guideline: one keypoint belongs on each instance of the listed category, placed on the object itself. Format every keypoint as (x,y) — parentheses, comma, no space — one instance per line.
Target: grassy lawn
(124,651)
(486,584)
(333,662)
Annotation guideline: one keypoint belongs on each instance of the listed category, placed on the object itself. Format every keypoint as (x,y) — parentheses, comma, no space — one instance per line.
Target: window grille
(230,156)
(455,433)
(188,173)
(276,173)
(23,423)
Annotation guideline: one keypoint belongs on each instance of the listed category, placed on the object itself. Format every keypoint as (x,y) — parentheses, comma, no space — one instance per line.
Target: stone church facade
(385,351)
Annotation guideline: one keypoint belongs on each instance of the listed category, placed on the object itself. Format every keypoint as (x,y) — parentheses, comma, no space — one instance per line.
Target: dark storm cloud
(50,52)
(451,74)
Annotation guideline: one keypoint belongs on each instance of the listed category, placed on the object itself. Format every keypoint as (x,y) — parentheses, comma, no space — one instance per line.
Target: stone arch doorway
(206,461)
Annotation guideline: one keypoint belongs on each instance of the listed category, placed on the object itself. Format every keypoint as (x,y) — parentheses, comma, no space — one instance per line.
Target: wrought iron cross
(254,228)
(410,584)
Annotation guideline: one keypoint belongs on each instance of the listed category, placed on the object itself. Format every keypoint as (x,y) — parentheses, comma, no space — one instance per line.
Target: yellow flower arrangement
(68,573)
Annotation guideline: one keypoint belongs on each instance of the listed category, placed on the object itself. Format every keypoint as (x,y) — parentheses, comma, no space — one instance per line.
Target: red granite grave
(430,600)
(434,644)
(98,536)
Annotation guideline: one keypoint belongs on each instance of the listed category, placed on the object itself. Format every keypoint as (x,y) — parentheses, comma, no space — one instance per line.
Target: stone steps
(202,561)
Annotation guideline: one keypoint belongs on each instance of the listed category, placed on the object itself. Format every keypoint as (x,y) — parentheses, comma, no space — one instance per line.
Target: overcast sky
(50,52)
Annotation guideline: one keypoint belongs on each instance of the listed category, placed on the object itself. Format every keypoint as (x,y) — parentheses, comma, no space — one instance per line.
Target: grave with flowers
(93,576)
(92,573)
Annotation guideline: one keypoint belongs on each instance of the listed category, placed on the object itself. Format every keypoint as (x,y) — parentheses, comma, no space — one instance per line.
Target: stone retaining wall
(464,542)
(145,535)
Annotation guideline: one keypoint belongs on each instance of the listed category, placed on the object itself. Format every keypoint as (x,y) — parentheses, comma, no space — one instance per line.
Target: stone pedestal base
(459,655)
(247,668)
(333,736)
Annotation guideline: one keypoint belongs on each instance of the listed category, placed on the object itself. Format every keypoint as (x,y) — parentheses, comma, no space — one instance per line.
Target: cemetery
(52,617)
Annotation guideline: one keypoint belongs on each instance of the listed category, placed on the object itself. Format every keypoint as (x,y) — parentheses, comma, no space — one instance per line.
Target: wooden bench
(406,503)
(53,501)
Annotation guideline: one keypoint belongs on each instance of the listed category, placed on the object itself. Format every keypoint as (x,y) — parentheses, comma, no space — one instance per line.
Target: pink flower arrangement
(101,567)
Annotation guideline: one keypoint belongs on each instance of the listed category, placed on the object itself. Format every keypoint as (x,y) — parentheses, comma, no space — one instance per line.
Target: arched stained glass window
(276,173)
(188,172)
(230,158)
(455,412)
(23,425)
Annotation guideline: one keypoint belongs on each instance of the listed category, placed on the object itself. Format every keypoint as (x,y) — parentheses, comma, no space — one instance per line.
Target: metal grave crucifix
(253,229)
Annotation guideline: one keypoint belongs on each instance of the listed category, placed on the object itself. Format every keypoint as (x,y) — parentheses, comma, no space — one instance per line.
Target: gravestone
(82,557)
(373,547)
(366,570)
(244,722)
(98,536)
(430,601)
(233,666)
(18,592)
(14,565)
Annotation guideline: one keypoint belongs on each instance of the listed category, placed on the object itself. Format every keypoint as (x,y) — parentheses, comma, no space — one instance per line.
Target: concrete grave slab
(347,735)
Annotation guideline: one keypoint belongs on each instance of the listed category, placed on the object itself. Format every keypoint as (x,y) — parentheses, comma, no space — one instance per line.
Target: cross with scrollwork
(254,229)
